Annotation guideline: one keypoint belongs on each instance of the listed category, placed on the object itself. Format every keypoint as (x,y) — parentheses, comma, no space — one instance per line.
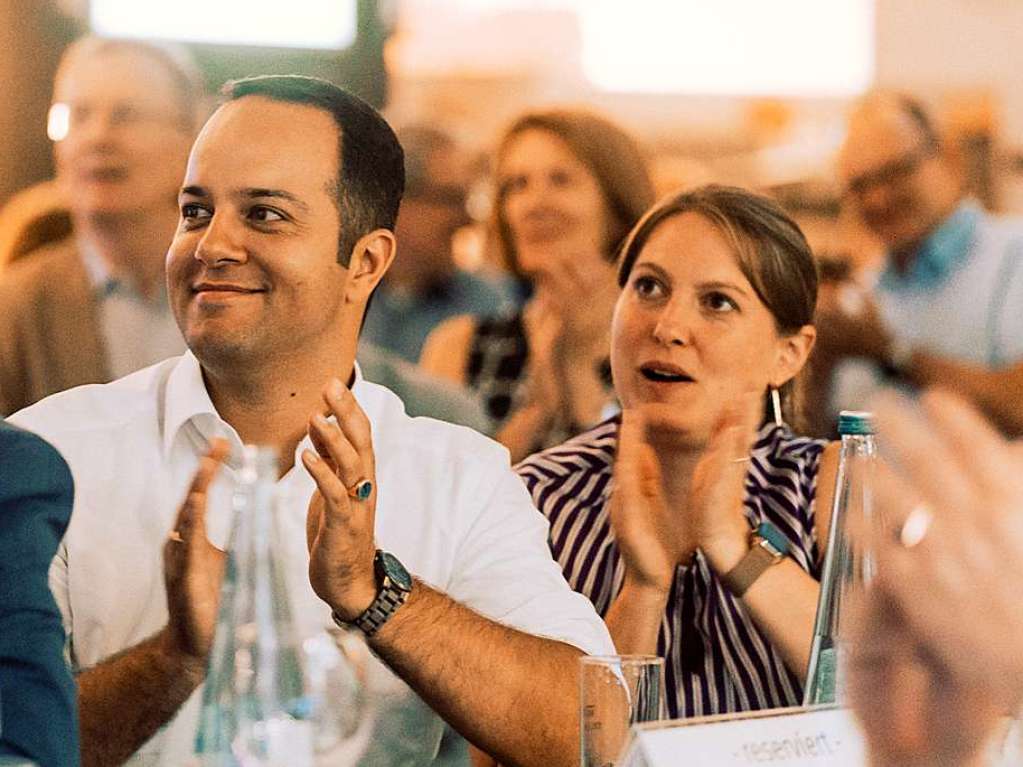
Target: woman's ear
(371,258)
(793,352)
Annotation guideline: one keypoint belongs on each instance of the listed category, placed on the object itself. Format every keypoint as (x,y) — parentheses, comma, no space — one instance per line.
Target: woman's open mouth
(661,372)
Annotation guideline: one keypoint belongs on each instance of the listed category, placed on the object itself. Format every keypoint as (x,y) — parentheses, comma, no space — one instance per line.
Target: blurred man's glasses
(892,174)
(64,118)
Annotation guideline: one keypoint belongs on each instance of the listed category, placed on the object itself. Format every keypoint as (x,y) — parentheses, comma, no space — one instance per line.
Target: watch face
(774,537)
(395,570)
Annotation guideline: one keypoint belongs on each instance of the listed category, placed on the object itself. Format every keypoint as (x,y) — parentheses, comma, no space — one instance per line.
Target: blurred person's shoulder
(25,281)
(437,446)
(21,447)
(485,294)
(422,394)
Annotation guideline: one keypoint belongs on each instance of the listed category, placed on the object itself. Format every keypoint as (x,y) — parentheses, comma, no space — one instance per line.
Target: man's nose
(221,243)
(97,129)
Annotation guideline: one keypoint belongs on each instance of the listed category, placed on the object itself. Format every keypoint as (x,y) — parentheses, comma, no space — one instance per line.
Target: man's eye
(265,215)
(193,212)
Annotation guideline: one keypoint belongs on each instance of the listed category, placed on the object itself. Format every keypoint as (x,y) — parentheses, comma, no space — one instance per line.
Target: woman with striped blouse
(694,521)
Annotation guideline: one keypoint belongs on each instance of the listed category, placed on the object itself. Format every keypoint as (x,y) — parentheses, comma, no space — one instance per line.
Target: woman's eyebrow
(723,284)
(660,271)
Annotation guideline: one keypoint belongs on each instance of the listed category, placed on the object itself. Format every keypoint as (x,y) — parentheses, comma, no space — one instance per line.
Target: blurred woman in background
(692,522)
(570,185)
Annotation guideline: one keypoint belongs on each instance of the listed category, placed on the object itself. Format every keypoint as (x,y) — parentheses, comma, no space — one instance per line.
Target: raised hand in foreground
(938,640)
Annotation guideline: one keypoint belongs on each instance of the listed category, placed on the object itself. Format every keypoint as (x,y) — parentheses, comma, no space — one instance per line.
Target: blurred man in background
(93,307)
(425,286)
(946,308)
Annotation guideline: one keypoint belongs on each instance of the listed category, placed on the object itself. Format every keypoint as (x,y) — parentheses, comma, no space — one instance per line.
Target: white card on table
(793,737)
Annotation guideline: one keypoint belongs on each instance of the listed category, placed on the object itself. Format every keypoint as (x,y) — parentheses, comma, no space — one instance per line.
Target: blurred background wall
(471,64)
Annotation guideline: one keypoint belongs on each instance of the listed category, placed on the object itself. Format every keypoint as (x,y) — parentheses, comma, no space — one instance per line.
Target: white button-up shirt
(448,506)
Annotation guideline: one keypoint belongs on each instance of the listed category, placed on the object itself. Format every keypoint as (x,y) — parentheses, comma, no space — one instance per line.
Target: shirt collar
(100,277)
(942,251)
(186,401)
(105,283)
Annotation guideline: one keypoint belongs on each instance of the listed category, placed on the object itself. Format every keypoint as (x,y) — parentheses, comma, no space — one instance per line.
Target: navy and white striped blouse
(716,658)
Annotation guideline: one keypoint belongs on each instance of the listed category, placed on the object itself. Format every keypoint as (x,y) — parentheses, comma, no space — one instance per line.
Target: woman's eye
(647,287)
(719,302)
(265,215)
(561,178)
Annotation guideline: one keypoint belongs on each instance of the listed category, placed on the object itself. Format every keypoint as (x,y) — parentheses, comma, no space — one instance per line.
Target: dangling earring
(776,407)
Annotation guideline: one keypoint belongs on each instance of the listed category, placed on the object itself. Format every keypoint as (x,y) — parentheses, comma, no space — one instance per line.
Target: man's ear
(793,351)
(371,258)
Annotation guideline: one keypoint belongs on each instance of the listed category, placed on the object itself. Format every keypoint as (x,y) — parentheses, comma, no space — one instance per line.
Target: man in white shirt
(286,222)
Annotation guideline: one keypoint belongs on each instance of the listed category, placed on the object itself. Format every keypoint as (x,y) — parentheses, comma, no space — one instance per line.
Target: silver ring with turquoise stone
(361,490)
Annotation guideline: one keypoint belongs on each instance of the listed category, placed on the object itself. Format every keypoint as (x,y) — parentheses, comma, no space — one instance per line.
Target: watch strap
(768,547)
(379,612)
(389,598)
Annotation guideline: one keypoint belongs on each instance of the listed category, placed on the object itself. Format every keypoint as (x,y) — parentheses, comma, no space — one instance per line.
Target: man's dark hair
(371,164)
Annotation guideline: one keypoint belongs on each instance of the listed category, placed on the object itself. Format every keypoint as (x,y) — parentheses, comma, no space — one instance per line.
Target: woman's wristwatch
(768,547)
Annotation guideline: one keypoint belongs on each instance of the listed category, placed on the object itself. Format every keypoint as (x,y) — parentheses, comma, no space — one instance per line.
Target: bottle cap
(855,422)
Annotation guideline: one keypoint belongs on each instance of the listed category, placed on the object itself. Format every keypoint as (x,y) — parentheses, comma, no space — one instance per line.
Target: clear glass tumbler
(615,692)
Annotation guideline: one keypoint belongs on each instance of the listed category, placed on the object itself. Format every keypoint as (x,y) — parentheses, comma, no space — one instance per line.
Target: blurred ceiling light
(729,47)
(311,24)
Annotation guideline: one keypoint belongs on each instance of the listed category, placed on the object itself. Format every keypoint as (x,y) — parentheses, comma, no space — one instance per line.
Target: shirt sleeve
(35,506)
(504,570)
(62,596)
(1008,318)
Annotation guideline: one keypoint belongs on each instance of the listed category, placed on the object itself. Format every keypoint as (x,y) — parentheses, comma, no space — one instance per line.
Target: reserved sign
(793,736)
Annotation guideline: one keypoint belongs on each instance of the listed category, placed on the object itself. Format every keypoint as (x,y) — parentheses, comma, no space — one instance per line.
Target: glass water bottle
(848,566)
(254,709)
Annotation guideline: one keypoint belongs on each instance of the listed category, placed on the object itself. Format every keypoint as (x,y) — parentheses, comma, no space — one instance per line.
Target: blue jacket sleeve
(38,713)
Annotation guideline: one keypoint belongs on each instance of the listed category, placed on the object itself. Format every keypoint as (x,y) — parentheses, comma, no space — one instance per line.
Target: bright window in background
(313,24)
(732,47)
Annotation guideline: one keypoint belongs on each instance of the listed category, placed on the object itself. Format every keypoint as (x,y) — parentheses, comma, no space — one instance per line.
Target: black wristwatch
(394,585)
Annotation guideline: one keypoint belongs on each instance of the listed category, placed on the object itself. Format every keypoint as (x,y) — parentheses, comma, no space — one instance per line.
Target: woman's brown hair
(769,246)
(607,151)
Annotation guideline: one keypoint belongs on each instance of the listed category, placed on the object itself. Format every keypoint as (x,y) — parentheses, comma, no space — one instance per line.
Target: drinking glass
(615,692)
(341,700)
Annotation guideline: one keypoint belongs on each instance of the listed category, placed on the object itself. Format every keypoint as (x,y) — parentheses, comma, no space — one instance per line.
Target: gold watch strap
(750,567)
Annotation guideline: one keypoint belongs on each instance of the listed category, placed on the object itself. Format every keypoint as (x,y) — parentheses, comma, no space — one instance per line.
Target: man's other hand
(194,567)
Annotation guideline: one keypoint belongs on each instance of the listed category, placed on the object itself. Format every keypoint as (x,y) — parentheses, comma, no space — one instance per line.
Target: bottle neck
(254,505)
(859,444)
